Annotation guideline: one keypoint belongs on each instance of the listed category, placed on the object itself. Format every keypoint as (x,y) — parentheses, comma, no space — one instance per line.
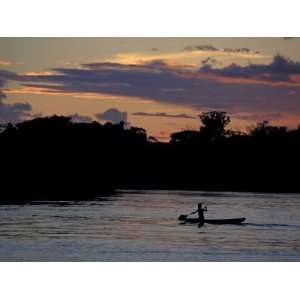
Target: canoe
(216,221)
(225,221)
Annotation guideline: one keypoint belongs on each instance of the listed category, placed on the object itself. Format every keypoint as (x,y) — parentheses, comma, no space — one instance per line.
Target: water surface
(143,226)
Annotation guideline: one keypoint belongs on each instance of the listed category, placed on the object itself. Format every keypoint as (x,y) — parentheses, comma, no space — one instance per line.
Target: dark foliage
(52,157)
(214,123)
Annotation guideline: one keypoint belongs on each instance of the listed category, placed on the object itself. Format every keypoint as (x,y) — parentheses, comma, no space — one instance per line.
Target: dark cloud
(209,60)
(238,50)
(22,106)
(4,77)
(11,113)
(76,118)
(190,88)
(214,49)
(113,115)
(162,114)
(155,49)
(14,113)
(206,88)
(201,48)
(2,95)
(280,69)
(7,75)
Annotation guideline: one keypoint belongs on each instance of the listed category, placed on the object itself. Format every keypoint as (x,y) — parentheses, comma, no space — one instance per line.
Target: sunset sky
(160,84)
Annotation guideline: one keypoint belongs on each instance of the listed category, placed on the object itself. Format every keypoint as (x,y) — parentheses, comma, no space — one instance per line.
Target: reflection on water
(143,226)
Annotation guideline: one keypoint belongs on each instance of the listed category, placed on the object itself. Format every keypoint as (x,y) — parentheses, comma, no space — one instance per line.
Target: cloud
(163,114)
(209,48)
(113,115)
(272,87)
(7,75)
(12,113)
(172,84)
(5,63)
(191,56)
(2,95)
(211,61)
(201,48)
(280,69)
(76,118)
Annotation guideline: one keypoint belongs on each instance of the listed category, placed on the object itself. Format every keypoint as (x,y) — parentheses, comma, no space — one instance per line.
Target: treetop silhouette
(53,157)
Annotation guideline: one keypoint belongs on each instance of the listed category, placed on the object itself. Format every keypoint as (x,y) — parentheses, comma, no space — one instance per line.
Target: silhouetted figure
(200,212)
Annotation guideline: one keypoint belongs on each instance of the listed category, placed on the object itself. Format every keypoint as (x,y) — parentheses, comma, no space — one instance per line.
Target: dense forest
(55,157)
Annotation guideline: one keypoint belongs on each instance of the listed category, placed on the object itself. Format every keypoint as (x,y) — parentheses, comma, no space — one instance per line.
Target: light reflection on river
(143,226)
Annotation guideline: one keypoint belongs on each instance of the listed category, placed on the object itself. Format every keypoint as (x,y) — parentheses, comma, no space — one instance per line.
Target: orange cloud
(5,63)
(46,91)
(186,57)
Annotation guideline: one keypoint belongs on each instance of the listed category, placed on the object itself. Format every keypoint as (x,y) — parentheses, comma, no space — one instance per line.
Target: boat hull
(216,221)
(225,221)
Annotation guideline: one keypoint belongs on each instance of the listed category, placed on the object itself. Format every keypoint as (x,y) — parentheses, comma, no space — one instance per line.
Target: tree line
(53,157)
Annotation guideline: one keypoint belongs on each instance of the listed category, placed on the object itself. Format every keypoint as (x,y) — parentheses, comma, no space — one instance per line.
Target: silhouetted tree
(185,137)
(213,124)
(265,130)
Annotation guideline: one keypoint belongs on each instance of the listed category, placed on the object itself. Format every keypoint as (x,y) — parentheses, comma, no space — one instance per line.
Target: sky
(160,84)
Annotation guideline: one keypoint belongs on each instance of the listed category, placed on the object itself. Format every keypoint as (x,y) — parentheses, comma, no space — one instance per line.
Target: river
(143,226)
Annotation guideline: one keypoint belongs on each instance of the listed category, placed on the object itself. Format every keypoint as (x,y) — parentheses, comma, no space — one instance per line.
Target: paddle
(184,217)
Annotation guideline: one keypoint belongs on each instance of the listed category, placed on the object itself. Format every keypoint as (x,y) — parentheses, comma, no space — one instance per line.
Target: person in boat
(200,212)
